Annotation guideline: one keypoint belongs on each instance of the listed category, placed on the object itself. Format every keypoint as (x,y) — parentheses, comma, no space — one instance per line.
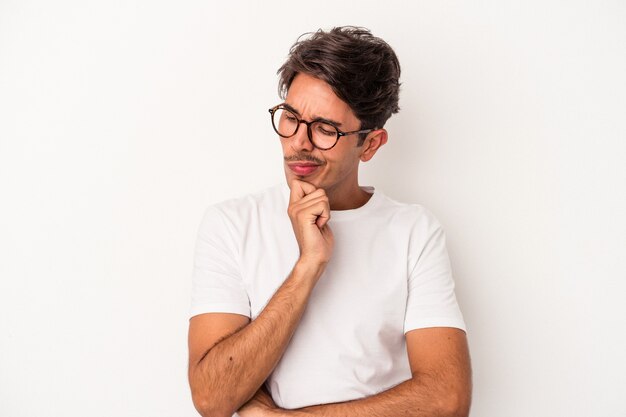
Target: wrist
(309,267)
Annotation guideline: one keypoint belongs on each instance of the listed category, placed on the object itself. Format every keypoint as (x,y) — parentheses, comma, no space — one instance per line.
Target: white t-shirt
(389,273)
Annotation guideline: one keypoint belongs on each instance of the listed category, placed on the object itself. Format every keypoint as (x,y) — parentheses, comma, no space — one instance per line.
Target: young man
(319,296)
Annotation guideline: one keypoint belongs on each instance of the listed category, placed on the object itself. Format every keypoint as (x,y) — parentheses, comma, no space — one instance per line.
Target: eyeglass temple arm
(355,132)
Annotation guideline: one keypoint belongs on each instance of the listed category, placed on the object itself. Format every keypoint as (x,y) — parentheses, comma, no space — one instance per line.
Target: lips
(303,168)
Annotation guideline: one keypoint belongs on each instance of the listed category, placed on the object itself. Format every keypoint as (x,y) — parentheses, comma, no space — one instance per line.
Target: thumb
(299,189)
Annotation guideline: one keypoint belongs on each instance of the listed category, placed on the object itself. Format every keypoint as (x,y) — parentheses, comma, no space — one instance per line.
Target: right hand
(309,212)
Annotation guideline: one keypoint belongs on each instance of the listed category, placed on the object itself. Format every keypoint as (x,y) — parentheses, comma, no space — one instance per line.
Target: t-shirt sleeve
(217,286)
(431,299)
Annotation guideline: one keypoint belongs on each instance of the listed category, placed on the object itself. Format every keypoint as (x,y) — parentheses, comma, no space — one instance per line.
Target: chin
(290,176)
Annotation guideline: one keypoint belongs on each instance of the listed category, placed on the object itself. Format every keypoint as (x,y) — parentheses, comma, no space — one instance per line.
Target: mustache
(303,157)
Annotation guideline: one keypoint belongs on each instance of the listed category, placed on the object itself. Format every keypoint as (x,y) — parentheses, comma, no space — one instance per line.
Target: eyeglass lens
(286,123)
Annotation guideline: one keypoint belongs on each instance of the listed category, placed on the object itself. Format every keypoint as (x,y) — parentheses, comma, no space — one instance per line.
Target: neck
(347,200)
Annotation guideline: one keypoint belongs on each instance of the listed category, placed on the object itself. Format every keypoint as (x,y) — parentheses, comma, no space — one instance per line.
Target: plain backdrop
(120,121)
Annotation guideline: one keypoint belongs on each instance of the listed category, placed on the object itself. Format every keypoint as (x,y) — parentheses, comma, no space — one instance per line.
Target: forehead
(312,98)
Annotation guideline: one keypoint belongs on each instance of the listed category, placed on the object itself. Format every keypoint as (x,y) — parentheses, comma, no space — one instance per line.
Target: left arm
(440,384)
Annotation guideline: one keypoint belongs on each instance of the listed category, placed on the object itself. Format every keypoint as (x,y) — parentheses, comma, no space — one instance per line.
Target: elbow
(209,402)
(455,404)
(209,408)
(206,399)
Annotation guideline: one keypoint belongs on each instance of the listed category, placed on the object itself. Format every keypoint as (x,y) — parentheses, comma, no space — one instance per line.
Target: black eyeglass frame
(308,127)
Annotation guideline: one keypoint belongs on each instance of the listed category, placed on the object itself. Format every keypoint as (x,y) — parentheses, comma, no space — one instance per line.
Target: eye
(326,129)
(285,116)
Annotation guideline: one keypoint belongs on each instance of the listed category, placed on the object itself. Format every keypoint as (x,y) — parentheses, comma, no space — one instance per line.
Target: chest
(368,268)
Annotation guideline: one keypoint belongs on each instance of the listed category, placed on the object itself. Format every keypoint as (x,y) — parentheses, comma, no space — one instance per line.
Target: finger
(322,221)
(327,232)
(297,192)
(306,205)
(299,189)
(319,192)
(317,210)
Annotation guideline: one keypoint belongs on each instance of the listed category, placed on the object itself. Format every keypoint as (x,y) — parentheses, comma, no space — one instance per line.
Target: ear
(372,143)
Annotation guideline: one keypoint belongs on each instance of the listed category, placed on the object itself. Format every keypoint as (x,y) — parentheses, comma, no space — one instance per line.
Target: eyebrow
(315,119)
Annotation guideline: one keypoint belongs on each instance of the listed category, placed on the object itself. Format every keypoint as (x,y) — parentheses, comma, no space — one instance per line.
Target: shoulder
(413,215)
(266,198)
(238,211)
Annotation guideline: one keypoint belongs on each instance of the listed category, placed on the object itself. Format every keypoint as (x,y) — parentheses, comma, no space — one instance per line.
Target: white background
(121,121)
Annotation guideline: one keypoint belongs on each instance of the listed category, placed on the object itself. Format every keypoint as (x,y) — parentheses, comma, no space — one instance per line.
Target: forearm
(233,370)
(418,397)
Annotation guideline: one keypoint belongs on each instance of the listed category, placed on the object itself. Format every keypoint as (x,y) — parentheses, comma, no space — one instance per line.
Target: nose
(300,141)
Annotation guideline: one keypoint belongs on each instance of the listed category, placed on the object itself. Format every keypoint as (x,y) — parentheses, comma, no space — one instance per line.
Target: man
(319,296)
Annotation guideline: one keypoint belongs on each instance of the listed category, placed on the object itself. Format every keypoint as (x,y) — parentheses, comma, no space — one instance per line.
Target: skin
(230,356)
(338,173)
(440,384)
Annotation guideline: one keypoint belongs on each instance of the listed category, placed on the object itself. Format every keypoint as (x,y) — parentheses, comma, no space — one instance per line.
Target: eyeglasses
(323,135)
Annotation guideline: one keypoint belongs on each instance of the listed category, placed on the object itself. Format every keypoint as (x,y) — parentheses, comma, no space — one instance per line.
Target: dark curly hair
(361,69)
